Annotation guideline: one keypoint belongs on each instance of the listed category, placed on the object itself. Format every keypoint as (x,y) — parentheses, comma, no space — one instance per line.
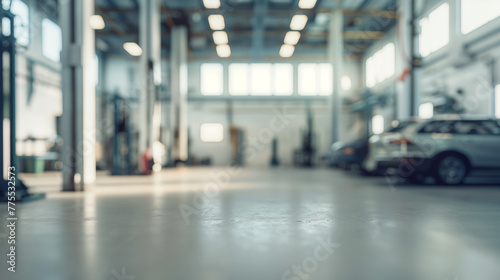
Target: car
(348,155)
(445,148)
(380,145)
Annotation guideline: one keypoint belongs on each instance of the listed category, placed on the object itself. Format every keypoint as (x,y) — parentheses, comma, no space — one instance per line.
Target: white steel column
(150,67)
(178,90)
(403,65)
(335,57)
(78,87)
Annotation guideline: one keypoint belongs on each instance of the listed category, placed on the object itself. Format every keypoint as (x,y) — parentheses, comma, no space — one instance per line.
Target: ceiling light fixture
(220,38)
(223,51)
(307,4)
(287,50)
(132,48)
(216,22)
(298,22)
(96,22)
(212,4)
(292,37)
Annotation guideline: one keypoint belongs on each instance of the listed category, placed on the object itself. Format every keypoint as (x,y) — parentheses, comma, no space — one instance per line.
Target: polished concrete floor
(209,223)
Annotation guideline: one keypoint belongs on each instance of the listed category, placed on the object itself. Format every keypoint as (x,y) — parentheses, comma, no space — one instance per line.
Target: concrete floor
(258,224)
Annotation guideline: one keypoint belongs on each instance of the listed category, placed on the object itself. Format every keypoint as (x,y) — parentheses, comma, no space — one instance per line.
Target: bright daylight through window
(476,13)
(212,79)
(381,65)
(435,30)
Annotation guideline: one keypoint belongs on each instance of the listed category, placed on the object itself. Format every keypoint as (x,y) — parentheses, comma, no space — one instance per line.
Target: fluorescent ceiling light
(292,37)
(298,22)
(223,51)
(307,4)
(287,50)
(96,22)
(216,22)
(220,37)
(132,48)
(212,4)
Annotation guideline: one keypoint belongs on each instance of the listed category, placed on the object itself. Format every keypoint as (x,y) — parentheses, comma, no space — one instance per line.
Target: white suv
(445,148)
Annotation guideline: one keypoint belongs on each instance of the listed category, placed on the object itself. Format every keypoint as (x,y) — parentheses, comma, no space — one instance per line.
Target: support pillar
(78,87)
(335,57)
(178,90)
(415,63)
(150,67)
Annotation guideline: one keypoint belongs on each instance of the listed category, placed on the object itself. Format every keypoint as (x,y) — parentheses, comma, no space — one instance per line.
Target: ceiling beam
(348,35)
(272,11)
(259,27)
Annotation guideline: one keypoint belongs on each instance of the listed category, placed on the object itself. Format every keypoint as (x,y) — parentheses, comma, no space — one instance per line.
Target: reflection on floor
(211,223)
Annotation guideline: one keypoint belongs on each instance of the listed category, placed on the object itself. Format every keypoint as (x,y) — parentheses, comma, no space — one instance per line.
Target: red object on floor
(146,162)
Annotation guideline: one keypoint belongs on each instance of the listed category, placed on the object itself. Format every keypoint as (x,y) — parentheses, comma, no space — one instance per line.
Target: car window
(438,127)
(493,126)
(477,128)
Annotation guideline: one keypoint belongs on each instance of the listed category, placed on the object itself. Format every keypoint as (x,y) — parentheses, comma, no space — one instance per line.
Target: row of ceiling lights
(297,24)
(220,37)
(217,24)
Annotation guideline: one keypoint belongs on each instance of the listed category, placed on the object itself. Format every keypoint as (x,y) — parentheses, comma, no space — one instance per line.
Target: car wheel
(451,170)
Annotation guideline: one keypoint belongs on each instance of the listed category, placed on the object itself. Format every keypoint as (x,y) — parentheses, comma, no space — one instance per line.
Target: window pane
(211,132)
(261,78)
(381,65)
(325,79)
(476,13)
(435,30)
(346,83)
(307,79)
(426,110)
(389,61)
(6,26)
(238,79)
(211,79)
(283,79)
(378,125)
(51,40)
(370,72)
(21,22)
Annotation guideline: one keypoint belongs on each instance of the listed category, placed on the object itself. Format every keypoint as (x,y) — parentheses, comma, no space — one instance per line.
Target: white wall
(254,117)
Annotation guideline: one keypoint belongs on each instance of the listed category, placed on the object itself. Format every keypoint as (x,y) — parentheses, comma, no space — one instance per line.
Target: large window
(476,13)
(239,75)
(315,79)
(212,79)
(21,22)
(51,40)
(211,132)
(435,30)
(381,65)
(283,79)
(260,79)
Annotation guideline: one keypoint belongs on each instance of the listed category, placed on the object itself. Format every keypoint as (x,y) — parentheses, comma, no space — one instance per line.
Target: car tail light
(348,151)
(402,141)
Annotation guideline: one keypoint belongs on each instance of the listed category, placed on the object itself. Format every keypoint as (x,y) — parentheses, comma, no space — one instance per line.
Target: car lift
(8,45)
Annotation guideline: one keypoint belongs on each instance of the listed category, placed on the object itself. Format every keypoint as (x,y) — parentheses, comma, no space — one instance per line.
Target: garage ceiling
(365,22)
